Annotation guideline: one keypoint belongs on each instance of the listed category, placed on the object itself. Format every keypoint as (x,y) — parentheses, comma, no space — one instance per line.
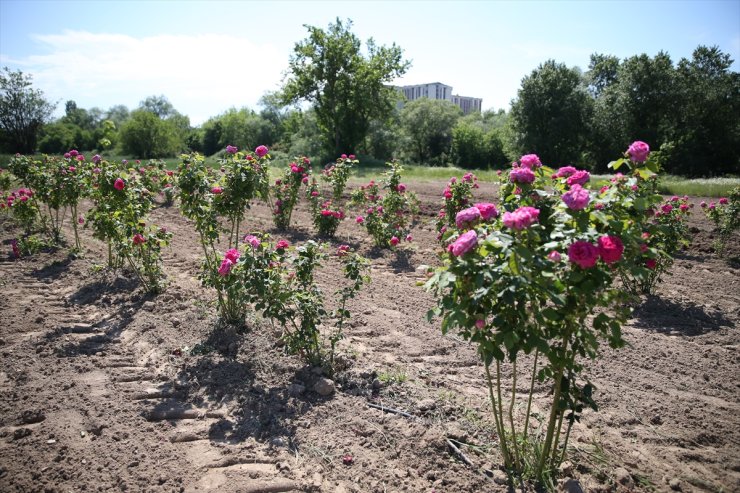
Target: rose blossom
(342,250)
(464,243)
(252,240)
(667,208)
(261,151)
(610,248)
(467,216)
(231,149)
(521,175)
(232,254)
(638,151)
(360,220)
(487,210)
(119,184)
(521,218)
(96,158)
(73,153)
(409,238)
(480,324)
(216,190)
(703,204)
(724,201)
(583,253)
(282,245)
(578,178)
(401,188)
(225,267)
(576,198)
(554,256)
(565,171)
(651,263)
(394,241)
(139,239)
(530,161)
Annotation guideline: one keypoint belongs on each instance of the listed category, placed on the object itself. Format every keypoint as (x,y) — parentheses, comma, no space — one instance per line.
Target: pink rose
(578,178)
(610,249)
(577,198)
(401,188)
(464,243)
(703,204)
(724,201)
(67,155)
(521,218)
(467,217)
(119,184)
(480,324)
(667,208)
(409,238)
(261,151)
(583,253)
(565,171)
(342,250)
(282,245)
(554,256)
(80,220)
(651,263)
(225,267)
(638,151)
(252,240)
(487,210)
(360,220)
(96,158)
(73,153)
(232,254)
(216,190)
(139,239)
(394,241)
(231,149)
(521,175)
(530,161)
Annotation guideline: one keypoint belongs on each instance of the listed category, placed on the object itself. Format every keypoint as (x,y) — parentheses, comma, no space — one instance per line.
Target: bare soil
(105,389)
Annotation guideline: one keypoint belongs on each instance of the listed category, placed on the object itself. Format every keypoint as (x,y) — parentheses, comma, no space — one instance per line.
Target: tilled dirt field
(105,389)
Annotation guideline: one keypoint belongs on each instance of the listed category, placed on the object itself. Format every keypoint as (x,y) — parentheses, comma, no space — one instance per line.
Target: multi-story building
(437,90)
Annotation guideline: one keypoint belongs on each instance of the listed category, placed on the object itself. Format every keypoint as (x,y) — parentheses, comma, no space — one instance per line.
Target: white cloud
(201,75)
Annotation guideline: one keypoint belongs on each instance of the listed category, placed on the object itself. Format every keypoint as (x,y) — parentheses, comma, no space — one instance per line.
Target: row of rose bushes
(535,273)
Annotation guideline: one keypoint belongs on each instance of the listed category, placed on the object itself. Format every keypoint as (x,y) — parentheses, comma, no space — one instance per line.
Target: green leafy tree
(147,136)
(347,88)
(427,126)
(550,114)
(706,132)
(23,111)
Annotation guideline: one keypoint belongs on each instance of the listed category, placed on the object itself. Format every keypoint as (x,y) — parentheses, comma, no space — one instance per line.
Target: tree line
(337,98)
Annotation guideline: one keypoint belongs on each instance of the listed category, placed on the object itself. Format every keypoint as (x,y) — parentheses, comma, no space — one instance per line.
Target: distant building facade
(437,90)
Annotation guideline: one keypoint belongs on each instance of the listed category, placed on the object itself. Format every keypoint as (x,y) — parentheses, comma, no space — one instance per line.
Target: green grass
(678,185)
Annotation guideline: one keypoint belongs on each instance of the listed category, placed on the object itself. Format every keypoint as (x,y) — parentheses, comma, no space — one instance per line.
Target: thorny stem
(553,414)
(511,413)
(497,418)
(531,391)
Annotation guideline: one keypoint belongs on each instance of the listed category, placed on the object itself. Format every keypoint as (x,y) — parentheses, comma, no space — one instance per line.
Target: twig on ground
(391,410)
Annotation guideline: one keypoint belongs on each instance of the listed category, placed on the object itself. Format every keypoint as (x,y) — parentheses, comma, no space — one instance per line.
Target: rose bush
(388,216)
(505,285)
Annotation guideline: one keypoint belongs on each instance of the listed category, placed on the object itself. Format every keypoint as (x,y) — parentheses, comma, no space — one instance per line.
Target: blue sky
(208,56)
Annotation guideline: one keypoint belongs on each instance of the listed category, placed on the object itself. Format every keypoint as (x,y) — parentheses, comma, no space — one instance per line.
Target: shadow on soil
(96,338)
(666,316)
(265,392)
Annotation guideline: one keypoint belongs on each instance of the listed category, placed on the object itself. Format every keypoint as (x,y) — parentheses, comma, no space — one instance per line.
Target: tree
(145,135)
(706,131)
(159,105)
(23,111)
(427,125)
(347,89)
(550,114)
(473,147)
